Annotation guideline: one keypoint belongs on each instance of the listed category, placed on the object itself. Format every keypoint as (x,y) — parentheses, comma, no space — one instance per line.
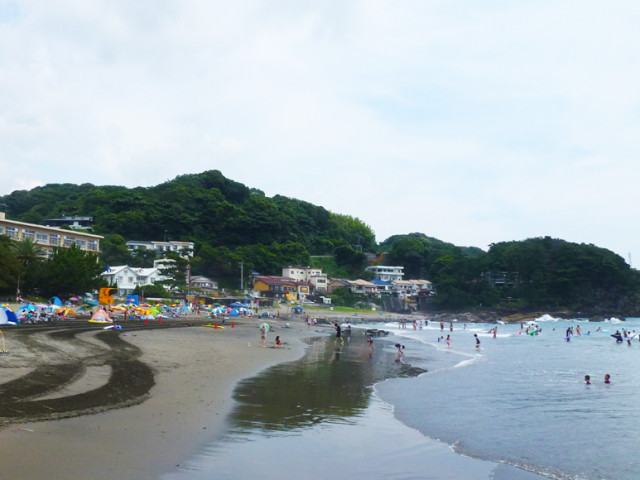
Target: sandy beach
(142,433)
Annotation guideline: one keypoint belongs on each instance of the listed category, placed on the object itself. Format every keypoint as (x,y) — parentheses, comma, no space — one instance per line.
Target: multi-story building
(75,222)
(413,288)
(126,278)
(386,273)
(48,238)
(307,274)
(182,248)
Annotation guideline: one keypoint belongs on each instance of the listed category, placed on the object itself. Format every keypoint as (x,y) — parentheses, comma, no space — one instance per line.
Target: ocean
(516,409)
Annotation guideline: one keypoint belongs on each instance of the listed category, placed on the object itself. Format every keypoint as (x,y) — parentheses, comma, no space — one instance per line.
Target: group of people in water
(626,335)
(587,379)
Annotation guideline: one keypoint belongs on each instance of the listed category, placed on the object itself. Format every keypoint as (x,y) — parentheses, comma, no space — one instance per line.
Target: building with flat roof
(312,275)
(75,222)
(48,238)
(386,273)
(162,247)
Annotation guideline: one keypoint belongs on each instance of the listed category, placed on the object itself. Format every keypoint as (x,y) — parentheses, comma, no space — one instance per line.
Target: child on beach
(477,341)
(448,340)
(278,342)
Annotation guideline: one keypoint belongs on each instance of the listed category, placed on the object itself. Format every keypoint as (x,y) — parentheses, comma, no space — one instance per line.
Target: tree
(151,291)
(175,269)
(26,251)
(70,271)
(344,297)
(9,266)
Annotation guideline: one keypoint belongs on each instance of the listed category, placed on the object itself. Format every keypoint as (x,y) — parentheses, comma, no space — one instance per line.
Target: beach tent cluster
(132,308)
(235,309)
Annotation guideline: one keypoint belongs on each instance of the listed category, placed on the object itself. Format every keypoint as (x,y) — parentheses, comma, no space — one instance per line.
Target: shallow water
(523,399)
(520,400)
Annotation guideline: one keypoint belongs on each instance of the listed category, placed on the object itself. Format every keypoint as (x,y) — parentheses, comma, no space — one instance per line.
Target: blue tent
(298,307)
(55,301)
(7,317)
(234,313)
(237,305)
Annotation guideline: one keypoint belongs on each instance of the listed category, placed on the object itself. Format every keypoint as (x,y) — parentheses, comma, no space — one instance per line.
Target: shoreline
(195,370)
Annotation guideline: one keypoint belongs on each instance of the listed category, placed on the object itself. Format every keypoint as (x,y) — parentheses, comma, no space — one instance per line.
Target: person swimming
(587,380)
(607,378)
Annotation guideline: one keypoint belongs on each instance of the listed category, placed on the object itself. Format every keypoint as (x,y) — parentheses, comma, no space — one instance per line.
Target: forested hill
(232,224)
(228,221)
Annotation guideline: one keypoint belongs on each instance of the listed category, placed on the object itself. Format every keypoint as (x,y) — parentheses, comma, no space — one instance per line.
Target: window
(42,237)
(68,240)
(31,234)
(130,279)
(54,239)
(92,245)
(81,243)
(12,232)
(1,230)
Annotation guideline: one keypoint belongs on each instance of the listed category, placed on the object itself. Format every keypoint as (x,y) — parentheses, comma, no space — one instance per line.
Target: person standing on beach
(336,326)
(263,334)
(477,341)
(448,340)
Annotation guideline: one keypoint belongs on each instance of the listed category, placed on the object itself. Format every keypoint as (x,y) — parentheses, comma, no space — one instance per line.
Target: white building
(47,238)
(307,274)
(162,247)
(387,273)
(412,288)
(126,278)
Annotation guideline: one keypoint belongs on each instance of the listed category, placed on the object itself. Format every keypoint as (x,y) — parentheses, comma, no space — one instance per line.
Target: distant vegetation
(231,223)
(533,274)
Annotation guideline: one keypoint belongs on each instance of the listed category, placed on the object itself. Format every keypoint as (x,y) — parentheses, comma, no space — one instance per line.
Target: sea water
(517,408)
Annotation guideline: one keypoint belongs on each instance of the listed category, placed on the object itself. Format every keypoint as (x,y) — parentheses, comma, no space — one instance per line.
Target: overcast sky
(472,122)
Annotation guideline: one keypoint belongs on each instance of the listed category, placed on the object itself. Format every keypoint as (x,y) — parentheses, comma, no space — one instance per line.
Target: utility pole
(242,276)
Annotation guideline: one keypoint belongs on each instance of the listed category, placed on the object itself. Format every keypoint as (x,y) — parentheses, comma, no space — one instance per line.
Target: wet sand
(77,401)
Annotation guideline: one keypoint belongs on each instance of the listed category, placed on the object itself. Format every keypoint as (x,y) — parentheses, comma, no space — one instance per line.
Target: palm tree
(26,252)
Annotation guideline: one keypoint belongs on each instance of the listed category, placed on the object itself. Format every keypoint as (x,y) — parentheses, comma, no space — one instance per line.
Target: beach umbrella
(84,307)
(237,305)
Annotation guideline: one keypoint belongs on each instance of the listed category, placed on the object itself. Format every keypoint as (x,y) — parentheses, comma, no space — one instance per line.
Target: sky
(472,122)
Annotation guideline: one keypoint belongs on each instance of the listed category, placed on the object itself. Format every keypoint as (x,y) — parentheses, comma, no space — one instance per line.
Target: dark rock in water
(374,332)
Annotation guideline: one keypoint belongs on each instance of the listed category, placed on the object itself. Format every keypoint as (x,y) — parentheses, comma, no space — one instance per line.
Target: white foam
(547,318)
